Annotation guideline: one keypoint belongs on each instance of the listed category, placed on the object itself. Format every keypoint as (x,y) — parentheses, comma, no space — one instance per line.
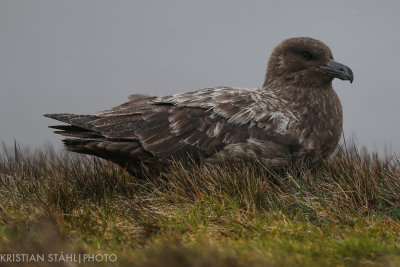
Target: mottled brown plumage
(295,115)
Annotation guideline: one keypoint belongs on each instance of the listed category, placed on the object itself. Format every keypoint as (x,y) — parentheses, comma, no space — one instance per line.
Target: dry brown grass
(346,211)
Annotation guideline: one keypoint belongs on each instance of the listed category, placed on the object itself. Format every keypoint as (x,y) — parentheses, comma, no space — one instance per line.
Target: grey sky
(85,56)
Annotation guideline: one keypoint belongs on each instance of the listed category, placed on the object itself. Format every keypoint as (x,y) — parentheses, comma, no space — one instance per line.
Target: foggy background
(80,56)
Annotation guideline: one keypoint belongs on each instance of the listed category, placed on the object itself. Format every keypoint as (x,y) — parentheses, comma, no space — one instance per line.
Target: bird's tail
(79,126)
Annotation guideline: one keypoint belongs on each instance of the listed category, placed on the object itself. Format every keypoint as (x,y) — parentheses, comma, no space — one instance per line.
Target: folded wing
(211,124)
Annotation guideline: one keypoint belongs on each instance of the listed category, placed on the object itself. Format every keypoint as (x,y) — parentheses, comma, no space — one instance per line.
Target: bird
(294,116)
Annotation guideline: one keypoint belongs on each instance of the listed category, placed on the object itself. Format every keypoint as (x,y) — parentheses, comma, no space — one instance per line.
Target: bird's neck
(318,103)
(295,96)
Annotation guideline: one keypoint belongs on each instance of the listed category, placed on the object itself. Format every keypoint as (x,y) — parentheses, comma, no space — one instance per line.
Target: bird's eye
(307,55)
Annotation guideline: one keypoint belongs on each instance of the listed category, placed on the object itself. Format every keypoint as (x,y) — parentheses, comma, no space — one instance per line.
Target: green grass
(345,213)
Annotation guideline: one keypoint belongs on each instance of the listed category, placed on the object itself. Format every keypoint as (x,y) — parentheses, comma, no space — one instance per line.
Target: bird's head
(304,62)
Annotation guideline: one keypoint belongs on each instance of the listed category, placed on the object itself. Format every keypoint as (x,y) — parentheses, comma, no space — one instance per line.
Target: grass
(345,213)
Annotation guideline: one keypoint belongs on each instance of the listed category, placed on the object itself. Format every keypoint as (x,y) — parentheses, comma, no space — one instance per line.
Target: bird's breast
(320,123)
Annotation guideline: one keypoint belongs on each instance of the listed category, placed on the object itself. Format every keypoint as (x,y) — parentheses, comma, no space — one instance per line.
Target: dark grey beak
(337,70)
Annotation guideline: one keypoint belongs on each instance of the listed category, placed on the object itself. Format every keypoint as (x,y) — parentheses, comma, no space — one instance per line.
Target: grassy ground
(346,213)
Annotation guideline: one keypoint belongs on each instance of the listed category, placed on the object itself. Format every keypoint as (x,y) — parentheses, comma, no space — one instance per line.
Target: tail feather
(79,134)
(82,138)
(79,125)
(68,128)
(82,121)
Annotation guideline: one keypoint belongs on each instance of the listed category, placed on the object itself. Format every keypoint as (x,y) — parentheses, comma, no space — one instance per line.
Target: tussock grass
(345,212)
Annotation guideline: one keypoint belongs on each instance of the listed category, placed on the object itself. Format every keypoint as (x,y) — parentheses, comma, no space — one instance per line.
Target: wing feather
(211,122)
